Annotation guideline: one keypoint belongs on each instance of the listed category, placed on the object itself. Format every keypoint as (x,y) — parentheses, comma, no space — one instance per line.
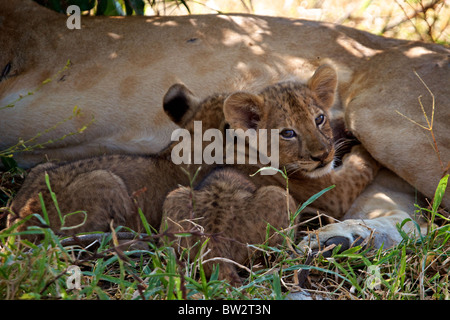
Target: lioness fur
(121,68)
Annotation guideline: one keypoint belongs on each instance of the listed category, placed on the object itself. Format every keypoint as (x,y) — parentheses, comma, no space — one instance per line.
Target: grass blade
(311,200)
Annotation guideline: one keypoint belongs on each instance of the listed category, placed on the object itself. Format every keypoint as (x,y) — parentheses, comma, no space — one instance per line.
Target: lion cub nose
(319,157)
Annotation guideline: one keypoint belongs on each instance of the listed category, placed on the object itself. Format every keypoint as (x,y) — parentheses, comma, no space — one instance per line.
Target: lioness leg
(373,217)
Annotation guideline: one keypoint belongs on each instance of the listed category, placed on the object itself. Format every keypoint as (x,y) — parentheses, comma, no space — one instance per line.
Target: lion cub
(233,208)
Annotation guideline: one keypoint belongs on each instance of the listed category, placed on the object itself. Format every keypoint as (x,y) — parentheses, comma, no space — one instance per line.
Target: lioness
(121,68)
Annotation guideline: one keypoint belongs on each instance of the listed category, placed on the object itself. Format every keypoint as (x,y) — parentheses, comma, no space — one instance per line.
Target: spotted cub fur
(227,204)
(233,208)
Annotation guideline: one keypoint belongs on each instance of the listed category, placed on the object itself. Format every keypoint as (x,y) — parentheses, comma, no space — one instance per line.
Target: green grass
(28,271)
(417,268)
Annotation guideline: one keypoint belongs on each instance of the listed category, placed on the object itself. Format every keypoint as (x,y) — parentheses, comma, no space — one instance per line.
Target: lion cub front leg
(357,171)
(231,212)
(351,179)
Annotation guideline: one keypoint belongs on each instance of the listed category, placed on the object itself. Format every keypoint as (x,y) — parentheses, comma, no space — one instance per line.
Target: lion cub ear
(180,104)
(323,83)
(243,110)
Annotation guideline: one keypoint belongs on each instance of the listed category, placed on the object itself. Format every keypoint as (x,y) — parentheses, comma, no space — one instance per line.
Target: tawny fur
(111,188)
(233,209)
(121,68)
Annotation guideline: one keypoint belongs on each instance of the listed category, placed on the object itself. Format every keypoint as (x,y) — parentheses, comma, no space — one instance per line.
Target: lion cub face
(299,112)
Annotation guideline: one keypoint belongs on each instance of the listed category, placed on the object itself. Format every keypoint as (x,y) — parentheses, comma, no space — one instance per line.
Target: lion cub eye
(320,120)
(288,133)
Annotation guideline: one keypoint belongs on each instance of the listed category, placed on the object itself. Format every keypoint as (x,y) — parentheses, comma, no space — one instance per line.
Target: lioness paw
(347,234)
